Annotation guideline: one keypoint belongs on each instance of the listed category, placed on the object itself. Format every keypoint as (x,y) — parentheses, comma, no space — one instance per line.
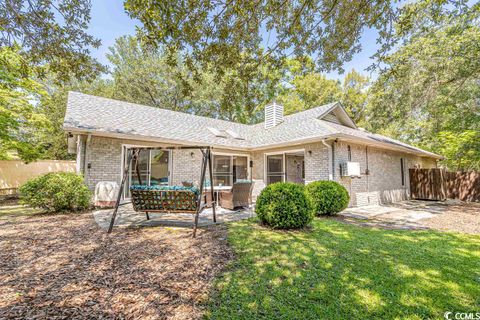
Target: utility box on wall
(350,169)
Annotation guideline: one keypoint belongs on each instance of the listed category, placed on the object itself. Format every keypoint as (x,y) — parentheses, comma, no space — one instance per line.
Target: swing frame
(206,160)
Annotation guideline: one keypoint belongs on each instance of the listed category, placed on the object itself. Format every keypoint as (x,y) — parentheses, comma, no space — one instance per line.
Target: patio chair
(239,196)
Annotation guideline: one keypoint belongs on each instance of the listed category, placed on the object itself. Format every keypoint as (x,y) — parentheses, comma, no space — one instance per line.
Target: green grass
(17,211)
(341,271)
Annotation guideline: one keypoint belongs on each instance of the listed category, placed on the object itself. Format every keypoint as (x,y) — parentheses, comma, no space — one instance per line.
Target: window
(402,170)
(228,169)
(234,135)
(288,166)
(218,133)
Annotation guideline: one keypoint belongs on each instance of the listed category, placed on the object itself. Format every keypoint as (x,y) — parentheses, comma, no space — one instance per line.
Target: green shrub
(56,192)
(284,206)
(328,197)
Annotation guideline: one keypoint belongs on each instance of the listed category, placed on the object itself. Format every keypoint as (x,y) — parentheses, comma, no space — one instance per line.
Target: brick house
(321,143)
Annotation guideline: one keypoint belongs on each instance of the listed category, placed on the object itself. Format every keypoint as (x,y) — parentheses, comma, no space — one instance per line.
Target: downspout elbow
(330,159)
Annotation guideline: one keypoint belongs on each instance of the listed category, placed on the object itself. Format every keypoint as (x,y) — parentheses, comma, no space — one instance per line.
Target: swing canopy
(166,199)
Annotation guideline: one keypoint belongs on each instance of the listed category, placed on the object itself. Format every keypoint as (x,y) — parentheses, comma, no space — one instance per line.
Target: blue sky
(109,21)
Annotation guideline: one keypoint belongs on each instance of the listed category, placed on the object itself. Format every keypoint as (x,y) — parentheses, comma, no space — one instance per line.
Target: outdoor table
(217,190)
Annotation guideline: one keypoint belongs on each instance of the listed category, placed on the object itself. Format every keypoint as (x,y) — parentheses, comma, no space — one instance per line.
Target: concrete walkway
(127,217)
(403,215)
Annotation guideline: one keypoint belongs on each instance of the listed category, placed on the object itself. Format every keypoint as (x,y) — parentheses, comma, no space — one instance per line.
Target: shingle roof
(86,113)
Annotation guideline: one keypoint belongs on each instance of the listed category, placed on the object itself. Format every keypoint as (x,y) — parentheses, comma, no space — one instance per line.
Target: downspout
(85,163)
(367,170)
(330,158)
(84,151)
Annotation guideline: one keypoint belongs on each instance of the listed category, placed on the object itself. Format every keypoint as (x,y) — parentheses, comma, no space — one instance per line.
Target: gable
(331,117)
(338,115)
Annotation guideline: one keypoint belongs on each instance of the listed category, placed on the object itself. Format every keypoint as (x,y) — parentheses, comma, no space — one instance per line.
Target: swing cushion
(166,188)
(164,198)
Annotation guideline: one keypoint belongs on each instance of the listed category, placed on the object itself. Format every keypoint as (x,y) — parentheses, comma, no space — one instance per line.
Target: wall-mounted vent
(217,133)
(350,169)
(273,115)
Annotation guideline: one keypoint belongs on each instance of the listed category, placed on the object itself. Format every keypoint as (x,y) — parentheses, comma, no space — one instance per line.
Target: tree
(302,88)
(64,47)
(21,126)
(53,107)
(228,33)
(429,84)
(150,76)
(462,150)
(309,91)
(354,95)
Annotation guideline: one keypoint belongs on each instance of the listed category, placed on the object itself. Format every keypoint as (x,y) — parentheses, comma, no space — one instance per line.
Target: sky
(109,21)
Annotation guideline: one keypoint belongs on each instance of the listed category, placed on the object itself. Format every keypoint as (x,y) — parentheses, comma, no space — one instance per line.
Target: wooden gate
(428,184)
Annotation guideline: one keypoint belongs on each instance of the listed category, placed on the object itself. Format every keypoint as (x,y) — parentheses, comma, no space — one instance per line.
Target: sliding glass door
(227,169)
(275,168)
(153,167)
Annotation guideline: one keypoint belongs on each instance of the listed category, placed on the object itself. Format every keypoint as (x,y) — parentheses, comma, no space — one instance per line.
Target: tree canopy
(261,31)
(20,123)
(51,33)
(427,91)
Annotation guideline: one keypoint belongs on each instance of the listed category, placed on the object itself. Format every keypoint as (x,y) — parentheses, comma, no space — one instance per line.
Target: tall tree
(51,33)
(308,91)
(21,125)
(429,83)
(150,76)
(53,107)
(354,95)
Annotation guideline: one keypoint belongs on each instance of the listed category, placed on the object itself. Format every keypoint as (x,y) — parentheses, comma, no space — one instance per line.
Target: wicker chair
(239,196)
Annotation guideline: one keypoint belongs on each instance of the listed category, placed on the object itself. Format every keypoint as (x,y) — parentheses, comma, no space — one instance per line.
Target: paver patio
(416,214)
(127,217)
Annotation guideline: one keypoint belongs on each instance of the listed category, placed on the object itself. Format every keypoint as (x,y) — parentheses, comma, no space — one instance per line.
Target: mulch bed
(65,267)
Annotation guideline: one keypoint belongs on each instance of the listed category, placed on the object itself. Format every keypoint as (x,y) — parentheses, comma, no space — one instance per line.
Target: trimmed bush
(56,192)
(285,206)
(328,197)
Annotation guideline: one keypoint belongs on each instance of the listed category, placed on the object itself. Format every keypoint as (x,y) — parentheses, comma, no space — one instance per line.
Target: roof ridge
(158,108)
(248,125)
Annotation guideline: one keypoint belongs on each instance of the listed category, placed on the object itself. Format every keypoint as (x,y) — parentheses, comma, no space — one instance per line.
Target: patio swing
(166,200)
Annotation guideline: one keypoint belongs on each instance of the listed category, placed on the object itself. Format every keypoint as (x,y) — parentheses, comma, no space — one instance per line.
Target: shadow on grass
(340,271)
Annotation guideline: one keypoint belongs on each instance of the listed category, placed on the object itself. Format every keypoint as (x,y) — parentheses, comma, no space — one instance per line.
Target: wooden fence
(439,184)
(13,173)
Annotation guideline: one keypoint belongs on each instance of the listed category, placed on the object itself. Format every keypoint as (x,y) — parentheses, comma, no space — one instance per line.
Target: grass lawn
(341,271)
(16,210)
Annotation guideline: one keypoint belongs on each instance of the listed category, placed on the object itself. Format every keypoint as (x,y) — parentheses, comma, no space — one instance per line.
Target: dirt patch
(464,217)
(64,266)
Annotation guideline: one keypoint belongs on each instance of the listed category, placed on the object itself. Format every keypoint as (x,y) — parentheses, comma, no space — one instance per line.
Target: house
(321,143)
